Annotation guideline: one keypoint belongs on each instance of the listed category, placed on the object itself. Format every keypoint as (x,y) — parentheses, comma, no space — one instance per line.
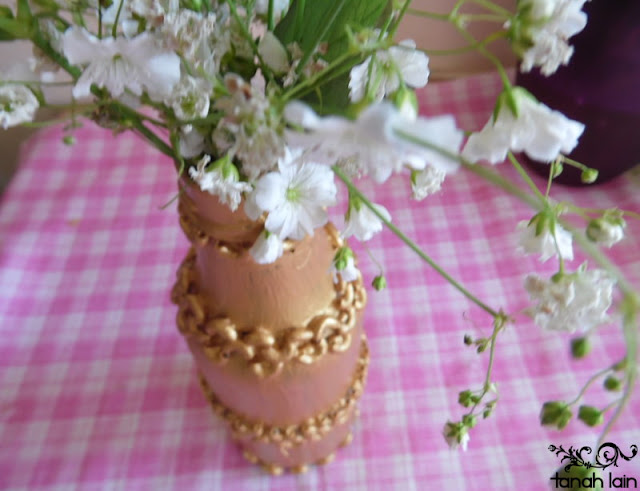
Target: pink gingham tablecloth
(98,389)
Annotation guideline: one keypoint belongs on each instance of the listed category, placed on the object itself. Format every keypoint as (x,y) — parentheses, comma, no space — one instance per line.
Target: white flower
(249,129)
(201,40)
(190,98)
(544,243)
(279,7)
(552,23)
(426,182)
(606,231)
(383,72)
(438,131)
(456,435)
(362,222)
(267,248)
(537,130)
(17,105)
(118,64)
(349,273)
(371,143)
(220,181)
(295,197)
(273,53)
(575,302)
(191,143)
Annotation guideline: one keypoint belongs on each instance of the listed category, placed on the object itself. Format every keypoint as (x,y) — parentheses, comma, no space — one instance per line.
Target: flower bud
(580,347)
(468,340)
(379,283)
(465,398)
(456,434)
(555,414)
(68,140)
(469,420)
(341,259)
(589,176)
(606,230)
(612,384)
(591,416)
(556,169)
(406,101)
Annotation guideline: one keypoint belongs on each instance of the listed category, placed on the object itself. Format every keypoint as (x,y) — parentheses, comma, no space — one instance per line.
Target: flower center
(293,194)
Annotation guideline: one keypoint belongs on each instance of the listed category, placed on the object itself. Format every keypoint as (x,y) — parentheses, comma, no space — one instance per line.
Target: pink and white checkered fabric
(98,390)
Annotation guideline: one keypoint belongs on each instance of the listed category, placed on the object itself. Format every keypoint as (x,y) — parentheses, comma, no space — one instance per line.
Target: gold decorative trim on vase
(311,429)
(266,351)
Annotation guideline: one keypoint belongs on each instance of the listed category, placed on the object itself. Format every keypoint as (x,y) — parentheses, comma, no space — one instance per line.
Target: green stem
(574,163)
(484,52)
(588,384)
(428,15)
(36,82)
(549,181)
(470,47)
(270,16)
(525,176)
(498,325)
(630,328)
(247,35)
(99,22)
(401,15)
(114,30)
(411,244)
(493,7)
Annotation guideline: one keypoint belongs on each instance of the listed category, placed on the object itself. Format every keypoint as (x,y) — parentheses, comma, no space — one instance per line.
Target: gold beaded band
(276,470)
(311,429)
(266,351)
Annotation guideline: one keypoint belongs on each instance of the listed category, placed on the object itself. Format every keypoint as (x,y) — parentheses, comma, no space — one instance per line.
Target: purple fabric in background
(601,88)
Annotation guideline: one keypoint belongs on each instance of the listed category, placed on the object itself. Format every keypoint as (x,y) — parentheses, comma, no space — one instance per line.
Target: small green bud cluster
(379,282)
(341,258)
(555,414)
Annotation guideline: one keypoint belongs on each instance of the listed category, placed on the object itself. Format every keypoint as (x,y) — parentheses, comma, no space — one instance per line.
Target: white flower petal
(267,248)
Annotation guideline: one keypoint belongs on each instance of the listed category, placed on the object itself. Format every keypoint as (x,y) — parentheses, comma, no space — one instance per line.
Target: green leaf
(12,29)
(306,20)
(24,12)
(5,12)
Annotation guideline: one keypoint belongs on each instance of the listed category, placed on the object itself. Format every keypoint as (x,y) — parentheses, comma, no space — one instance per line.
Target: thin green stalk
(470,47)
(610,406)
(506,81)
(630,328)
(309,83)
(549,181)
(428,15)
(36,82)
(270,16)
(401,15)
(525,176)
(498,325)
(574,163)
(247,35)
(99,22)
(410,243)
(588,384)
(114,30)
(493,7)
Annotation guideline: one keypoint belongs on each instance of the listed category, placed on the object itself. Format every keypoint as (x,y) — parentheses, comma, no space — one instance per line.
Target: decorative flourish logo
(608,454)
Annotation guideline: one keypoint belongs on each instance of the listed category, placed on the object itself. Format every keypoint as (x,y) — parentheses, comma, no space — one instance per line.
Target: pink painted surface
(98,390)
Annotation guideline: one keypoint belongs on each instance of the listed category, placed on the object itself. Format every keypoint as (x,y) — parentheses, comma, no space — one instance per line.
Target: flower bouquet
(263,106)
